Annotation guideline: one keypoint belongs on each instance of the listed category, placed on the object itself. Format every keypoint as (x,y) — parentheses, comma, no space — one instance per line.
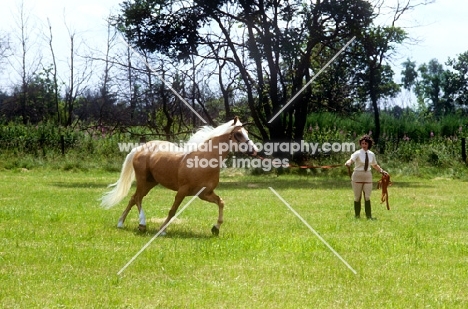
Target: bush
(406,144)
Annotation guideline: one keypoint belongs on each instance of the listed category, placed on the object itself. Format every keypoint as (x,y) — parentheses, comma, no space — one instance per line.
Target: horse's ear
(235,120)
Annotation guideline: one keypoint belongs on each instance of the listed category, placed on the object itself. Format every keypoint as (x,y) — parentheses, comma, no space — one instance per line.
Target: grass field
(59,249)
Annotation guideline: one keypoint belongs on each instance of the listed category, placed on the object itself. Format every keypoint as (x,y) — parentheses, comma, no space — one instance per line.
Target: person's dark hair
(368,140)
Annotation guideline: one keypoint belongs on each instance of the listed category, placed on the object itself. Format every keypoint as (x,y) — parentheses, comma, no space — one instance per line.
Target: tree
(271,47)
(37,103)
(77,80)
(440,91)
(56,97)
(5,49)
(274,47)
(4,53)
(378,47)
(431,84)
(376,43)
(409,74)
(28,65)
(458,79)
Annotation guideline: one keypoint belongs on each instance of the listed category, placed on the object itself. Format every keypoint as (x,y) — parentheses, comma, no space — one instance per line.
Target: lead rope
(349,171)
(384,183)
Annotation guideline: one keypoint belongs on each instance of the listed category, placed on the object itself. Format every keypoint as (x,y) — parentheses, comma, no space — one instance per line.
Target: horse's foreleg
(213,198)
(177,201)
(220,214)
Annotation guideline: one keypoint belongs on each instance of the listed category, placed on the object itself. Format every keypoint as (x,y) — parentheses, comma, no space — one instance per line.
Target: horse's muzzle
(251,149)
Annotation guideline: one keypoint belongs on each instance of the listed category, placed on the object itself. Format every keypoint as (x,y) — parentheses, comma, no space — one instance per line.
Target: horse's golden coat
(161,162)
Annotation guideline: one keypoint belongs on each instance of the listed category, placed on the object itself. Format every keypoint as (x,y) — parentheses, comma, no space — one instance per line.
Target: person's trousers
(362,183)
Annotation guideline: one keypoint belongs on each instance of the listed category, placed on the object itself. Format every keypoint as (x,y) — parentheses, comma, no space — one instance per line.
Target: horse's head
(240,135)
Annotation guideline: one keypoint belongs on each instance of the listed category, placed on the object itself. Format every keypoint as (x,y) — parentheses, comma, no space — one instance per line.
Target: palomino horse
(183,169)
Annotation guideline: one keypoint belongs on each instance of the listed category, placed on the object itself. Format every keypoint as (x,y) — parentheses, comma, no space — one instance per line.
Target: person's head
(366,139)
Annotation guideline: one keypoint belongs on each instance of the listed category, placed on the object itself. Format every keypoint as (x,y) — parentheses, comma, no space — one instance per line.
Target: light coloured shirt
(359,158)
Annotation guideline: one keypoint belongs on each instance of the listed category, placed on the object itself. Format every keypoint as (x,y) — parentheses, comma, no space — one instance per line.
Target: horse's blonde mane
(207,132)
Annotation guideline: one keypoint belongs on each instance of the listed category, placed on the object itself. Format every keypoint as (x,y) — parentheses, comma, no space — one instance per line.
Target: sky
(86,19)
(438,27)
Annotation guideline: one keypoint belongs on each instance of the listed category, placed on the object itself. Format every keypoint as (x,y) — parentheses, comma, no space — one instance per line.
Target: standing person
(361,179)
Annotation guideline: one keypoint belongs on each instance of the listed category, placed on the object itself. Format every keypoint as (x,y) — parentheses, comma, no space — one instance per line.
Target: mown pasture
(60,249)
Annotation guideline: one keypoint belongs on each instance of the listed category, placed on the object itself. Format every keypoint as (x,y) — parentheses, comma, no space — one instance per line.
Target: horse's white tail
(122,186)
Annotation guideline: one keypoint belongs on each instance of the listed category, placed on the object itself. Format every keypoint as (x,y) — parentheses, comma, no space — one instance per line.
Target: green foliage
(406,146)
(36,139)
(396,124)
(28,146)
(409,145)
(440,91)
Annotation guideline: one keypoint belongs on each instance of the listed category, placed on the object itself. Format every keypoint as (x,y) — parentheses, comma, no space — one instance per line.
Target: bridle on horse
(233,136)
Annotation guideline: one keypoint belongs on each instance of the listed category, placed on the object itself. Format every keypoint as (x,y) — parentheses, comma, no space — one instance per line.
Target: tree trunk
(375,106)
(54,63)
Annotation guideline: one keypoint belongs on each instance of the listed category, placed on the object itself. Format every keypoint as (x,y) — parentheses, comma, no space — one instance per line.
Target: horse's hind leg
(143,187)
(125,212)
(213,198)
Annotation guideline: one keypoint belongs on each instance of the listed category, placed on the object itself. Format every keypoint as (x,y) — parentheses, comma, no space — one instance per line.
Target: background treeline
(410,145)
(226,58)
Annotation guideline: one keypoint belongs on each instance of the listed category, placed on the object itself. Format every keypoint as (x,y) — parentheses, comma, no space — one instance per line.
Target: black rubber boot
(357,209)
(367,207)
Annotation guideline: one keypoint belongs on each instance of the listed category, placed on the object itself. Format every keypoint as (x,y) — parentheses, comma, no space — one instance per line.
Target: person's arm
(351,160)
(379,169)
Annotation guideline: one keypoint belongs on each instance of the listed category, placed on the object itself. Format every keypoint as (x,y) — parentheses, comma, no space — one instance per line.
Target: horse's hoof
(215,230)
(142,228)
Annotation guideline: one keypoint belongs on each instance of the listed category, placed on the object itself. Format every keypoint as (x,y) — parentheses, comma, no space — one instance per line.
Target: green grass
(59,249)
